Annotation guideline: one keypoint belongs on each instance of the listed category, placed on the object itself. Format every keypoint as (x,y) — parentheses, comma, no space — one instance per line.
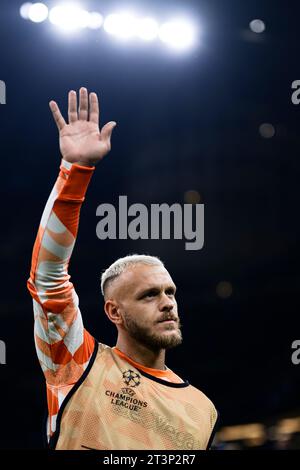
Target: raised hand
(81,141)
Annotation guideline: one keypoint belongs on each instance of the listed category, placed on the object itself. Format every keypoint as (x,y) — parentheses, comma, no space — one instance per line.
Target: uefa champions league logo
(131,378)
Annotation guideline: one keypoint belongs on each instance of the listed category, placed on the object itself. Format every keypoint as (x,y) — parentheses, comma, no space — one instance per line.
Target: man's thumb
(107,130)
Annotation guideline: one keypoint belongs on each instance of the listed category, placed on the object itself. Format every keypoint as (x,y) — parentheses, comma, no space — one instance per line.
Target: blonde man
(101,397)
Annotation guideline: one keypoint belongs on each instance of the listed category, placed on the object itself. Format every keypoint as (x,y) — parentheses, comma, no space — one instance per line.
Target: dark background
(185,121)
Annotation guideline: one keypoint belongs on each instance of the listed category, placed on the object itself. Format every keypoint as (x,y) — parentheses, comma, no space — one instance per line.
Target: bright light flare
(121,25)
(147,29)
(177,34)
(69,17)
(38,12)
(95,20)
(24,10)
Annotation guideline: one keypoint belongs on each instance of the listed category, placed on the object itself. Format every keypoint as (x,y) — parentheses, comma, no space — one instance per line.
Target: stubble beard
(153,341)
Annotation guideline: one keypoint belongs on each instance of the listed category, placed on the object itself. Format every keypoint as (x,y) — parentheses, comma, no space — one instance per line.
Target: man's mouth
(168,320)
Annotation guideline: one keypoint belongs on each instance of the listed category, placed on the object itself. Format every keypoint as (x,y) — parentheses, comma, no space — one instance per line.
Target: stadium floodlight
(38,12)
(177,34)
(95,20)
(147,29)
(24,10)
(121,25)
(69,17)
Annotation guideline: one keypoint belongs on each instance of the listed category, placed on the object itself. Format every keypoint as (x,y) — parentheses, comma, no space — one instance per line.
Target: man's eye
(170,292)
(150,294)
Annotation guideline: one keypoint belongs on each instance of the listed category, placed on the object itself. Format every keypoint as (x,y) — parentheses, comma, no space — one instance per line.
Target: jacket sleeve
(63,346)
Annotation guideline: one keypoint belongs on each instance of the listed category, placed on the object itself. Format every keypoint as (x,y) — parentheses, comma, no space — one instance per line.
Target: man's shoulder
(202,396)
(102,347)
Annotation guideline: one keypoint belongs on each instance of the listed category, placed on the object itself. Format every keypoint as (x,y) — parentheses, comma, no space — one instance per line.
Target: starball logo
(131,378)
(2,92)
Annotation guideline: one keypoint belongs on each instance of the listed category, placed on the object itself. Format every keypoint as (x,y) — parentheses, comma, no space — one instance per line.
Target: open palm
(81,141)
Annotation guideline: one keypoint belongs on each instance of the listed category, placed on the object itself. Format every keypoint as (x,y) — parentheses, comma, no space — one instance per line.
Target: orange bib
(116,406)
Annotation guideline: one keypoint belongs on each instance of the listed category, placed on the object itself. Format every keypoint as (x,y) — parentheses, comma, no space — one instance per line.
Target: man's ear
(112,310)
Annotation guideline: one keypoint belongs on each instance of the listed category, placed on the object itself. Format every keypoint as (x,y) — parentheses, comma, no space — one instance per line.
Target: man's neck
(143,355)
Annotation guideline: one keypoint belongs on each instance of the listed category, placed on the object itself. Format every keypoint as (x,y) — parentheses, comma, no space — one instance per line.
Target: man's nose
(167,304)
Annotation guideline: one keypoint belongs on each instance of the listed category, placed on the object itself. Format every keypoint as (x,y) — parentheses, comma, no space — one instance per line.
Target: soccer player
(102,397)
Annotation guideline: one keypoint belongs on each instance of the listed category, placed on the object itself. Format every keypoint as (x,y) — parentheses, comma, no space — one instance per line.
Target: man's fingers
(106,131)
(94,108)
(59,120)
(72,108)
(83,104)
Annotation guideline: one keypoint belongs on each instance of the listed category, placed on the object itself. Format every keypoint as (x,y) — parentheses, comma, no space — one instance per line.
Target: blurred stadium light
(147,29)
(257,26)
(245,431)
(121,25)
(95,20)
(192,197)
(283,434)
(267,130)
(178,34)
(69,17)
(38,12)
(224,289)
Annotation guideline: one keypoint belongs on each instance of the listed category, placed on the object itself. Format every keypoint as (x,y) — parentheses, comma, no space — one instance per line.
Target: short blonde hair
(121,264)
